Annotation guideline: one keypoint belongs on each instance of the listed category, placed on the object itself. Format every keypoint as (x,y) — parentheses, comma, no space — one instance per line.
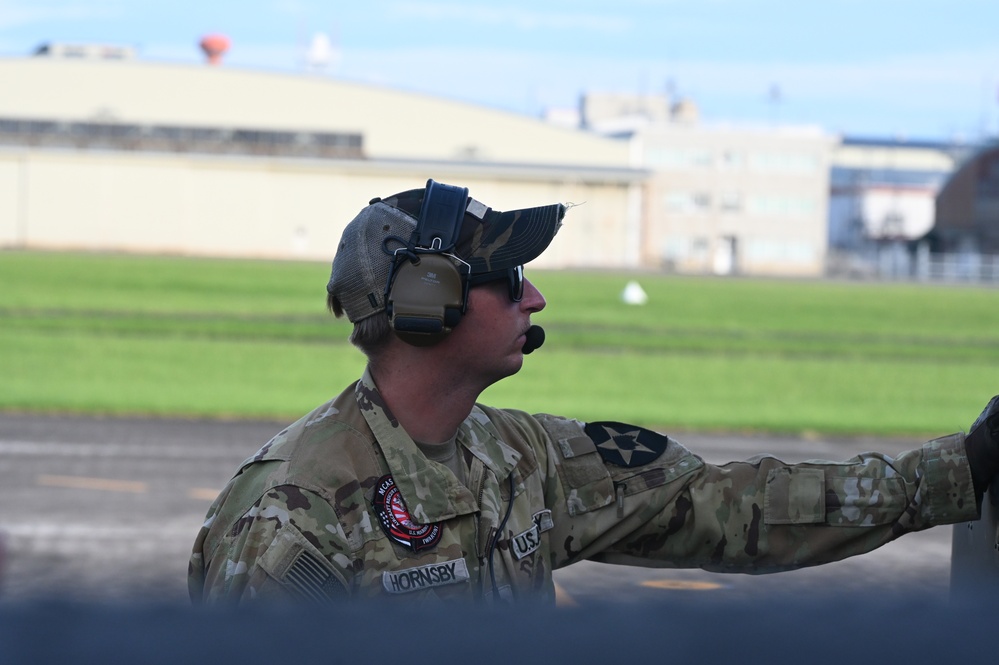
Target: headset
(426,293)
(427,288)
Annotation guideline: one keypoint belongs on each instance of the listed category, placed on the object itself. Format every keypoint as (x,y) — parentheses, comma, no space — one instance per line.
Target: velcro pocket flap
(585,478)
(795,496)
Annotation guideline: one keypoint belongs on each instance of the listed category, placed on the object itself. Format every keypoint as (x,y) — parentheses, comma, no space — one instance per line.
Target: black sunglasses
(514,277)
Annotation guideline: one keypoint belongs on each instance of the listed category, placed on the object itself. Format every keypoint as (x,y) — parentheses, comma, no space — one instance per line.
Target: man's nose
(533,301)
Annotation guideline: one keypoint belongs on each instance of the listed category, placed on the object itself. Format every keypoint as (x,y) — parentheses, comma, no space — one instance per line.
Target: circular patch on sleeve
(396,521)
(626,445)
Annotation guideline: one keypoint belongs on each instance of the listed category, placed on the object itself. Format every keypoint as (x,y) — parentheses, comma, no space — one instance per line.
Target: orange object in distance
(214,47)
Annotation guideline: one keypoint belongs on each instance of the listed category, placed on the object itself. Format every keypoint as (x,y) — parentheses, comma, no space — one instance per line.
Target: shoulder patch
(626,445)
(396,521)
(313,580)
(295,563)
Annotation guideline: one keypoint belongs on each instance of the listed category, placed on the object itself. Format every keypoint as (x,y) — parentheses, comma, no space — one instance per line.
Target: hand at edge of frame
(982,446)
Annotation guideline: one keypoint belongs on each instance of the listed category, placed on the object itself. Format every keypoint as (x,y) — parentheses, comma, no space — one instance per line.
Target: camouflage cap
(489,241)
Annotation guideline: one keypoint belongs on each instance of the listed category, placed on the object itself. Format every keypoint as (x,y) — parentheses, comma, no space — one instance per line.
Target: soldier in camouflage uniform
(403,486)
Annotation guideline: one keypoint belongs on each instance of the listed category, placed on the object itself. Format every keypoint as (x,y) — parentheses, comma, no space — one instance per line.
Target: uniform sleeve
(630,495)
(288,545)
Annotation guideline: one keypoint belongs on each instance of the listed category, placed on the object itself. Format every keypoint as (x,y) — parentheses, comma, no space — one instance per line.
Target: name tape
(425,577)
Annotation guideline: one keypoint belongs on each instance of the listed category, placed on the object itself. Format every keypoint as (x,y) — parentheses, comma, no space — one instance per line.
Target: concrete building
(736,200)
(723,199)
(115,153)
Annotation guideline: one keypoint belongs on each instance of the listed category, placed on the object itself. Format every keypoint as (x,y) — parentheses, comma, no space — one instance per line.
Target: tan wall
(10,183)
(269,208)
(283,207)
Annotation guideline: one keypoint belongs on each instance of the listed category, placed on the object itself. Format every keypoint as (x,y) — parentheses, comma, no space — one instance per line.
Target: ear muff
(426,290)
(425,299)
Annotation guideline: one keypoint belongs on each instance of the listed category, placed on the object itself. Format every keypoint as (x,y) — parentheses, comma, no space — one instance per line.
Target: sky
(912,69)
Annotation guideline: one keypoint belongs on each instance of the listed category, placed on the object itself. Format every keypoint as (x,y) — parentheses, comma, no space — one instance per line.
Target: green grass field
(119,334)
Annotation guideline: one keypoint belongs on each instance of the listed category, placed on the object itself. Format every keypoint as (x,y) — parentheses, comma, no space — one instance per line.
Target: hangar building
(110,153)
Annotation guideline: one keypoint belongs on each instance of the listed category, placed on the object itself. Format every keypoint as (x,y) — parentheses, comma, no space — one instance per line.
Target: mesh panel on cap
(361,267)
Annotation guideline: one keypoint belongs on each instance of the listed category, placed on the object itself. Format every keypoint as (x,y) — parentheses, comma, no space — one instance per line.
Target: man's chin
(509,369)
(516,364)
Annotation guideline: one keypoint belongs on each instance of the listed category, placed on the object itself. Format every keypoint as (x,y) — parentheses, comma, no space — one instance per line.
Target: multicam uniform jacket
(342,503)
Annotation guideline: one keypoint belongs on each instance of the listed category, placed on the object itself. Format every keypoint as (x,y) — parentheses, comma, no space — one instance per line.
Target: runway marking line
(100,484)
(681,585)
(563,599)
(203,493)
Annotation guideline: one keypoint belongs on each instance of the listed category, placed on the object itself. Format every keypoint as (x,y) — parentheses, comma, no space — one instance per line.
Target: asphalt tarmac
(99,510)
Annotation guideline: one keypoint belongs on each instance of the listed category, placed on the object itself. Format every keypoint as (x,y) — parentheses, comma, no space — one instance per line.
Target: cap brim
(507,239)
(495,240)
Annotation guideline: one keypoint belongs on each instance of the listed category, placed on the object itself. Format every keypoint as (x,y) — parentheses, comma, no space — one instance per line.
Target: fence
(896,262)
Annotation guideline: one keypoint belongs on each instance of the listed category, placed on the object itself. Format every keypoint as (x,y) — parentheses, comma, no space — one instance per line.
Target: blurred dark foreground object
(687,629)
(974,558)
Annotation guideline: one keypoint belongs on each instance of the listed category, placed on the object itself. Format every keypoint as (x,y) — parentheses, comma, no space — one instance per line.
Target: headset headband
(441,215)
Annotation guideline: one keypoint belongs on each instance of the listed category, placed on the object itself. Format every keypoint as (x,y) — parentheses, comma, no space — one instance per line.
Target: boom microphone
(535,338)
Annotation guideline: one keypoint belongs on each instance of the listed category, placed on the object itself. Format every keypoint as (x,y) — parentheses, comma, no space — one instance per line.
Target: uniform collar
(479,435)
(431,492)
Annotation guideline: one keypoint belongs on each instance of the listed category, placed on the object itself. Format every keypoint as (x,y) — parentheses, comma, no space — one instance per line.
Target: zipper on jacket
(480,545)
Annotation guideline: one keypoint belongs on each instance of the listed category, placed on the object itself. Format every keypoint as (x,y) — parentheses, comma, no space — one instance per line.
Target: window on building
(697,202)
(795,163)
(730,201)
(780,205)
(679,158)
(775,250)
(731,160)
(685,248)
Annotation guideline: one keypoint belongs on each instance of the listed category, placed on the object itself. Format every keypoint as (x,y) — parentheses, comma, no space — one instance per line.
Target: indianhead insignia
(396,521)
(626,445)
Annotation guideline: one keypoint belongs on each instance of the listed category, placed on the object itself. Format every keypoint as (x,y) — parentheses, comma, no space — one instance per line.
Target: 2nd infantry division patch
(626,445)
